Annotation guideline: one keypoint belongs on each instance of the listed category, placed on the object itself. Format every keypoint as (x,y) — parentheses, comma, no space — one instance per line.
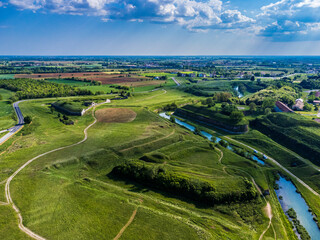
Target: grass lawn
(6,110)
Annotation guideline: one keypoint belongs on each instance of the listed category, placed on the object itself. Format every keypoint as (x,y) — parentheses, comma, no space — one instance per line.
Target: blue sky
(159,27)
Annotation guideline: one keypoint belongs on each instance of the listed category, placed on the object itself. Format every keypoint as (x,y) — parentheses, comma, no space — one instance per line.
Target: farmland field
(104,78)
(69,82)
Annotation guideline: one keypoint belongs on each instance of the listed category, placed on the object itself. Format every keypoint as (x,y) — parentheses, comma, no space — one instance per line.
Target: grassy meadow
(87,200)
(73,192)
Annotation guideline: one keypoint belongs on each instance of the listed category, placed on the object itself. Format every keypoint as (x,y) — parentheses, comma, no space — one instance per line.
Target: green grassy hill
(293,131)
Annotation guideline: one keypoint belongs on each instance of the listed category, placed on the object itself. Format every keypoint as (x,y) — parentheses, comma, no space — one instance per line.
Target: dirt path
(7,186)
(268,208)
(127,225)
(268,211)
(159,139)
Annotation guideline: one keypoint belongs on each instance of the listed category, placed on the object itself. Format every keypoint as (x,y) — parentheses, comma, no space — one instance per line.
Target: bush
(27,119)
(236,116)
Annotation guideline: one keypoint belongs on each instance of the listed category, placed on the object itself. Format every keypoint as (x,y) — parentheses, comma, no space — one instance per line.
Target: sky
(159,27)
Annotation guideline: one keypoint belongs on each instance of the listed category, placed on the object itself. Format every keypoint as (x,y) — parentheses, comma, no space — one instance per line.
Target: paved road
(176,81)
(16,128)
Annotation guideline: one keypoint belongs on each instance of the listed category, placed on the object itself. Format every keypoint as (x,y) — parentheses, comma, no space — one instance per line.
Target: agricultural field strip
(7,186)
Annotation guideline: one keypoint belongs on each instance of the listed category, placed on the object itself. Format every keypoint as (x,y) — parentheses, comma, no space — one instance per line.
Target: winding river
(292,199)
(239,94)
(207,135)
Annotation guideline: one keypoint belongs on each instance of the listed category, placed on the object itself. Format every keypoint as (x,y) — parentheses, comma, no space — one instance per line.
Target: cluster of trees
(195,189)
(29,89)
(197,91)
(304,235)
(209,102)
(222,97)
(126,88)
(311,83)
(313,96)
(170,107)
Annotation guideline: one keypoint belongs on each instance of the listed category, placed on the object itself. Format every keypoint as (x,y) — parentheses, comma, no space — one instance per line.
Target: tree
(0,97)
(236,116)
(253,107)
(252,78)
(172,119)
(267,111)
(210,102)
(268,103)
(27,119)
(307,107)
(197,131)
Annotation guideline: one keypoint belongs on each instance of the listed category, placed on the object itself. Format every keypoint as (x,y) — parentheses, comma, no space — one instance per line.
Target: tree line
(198,190)
(29,89)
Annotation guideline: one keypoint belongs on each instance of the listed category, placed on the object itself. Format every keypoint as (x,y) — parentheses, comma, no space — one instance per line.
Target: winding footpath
(8,181)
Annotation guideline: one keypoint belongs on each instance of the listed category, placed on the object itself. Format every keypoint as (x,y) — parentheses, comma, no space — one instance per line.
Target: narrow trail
(144,144)
(268,208)
(127,225)
(7,186)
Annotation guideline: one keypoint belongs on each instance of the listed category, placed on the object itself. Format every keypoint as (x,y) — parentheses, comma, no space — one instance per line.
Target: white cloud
(294,18)
(194,15)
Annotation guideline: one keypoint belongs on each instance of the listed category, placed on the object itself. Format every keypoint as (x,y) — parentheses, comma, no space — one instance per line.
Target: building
(281,107)
(299,105)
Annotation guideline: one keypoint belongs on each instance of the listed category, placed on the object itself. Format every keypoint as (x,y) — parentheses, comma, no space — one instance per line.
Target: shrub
(27,119)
